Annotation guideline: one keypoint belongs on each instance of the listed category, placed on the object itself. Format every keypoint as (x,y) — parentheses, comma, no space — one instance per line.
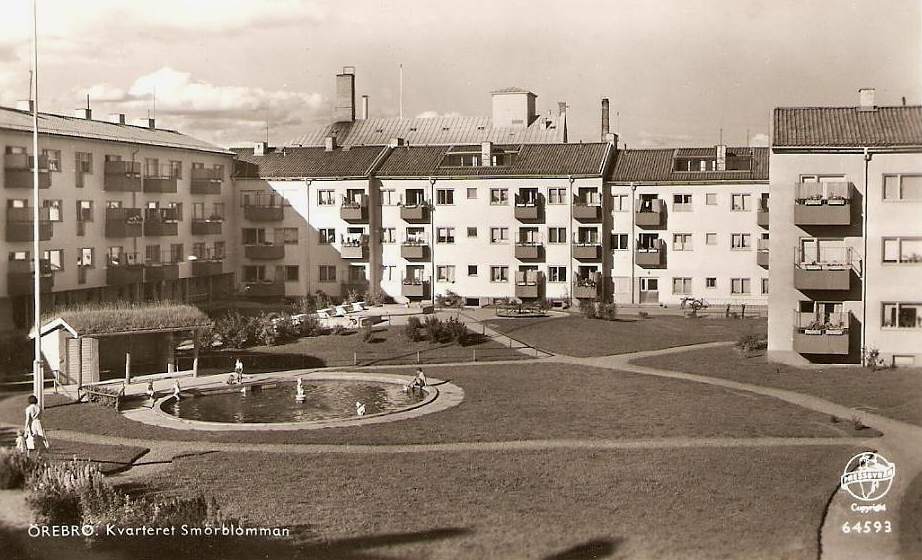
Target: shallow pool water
(325,400)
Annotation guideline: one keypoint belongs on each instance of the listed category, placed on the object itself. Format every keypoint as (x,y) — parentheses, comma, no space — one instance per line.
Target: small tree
(588,308)
(412,329)
(310,326)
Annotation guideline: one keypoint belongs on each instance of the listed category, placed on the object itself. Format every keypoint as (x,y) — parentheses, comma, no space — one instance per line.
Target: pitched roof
(307,162)
(657,166)
(59,125)
(847,126)
(511,89)
(534,160)
(443,131)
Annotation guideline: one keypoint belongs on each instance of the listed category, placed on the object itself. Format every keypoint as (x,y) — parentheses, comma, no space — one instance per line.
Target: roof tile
(847,127)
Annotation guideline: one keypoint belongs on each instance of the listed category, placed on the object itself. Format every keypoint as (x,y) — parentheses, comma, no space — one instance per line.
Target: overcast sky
(676,71)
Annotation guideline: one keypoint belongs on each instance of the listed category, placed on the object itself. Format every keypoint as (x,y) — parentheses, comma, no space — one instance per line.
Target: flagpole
(38,385)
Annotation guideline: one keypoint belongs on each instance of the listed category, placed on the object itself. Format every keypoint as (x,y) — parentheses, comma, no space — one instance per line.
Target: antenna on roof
(747,137)
(400,88)
(88,101)
(155,101)
(720,136)
(267,123)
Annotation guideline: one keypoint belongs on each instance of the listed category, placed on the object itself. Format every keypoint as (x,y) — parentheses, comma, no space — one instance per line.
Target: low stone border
(440,395)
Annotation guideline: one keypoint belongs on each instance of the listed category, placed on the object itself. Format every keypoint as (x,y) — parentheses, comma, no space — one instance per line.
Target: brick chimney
(721,157)
(344,108)
(606,123)
(117,118)
(329,143)
(486,154)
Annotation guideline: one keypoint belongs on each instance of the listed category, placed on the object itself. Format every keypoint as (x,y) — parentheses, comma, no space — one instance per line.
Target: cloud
(435,114)
(759,140)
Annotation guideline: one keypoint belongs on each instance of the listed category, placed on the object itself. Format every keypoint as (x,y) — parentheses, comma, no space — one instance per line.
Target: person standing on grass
(238,370)
(33,430)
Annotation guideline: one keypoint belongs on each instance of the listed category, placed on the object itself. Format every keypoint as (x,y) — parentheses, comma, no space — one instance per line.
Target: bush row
(267,329)
(598,310)
(437,331)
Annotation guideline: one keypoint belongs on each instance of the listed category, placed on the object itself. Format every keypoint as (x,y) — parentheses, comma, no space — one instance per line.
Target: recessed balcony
(264,213)
(19,278)
(762,217)
(264,252)
(207,267)
(587,211)
(124,222)
(266,288)
(653,255)
(161,272)
(814,334)
(206,181)
(414,213)
(414,250)
(527,251)
(354,250)
(528,284)
(17,171)
(122,176)
(649,213)
(823,204)
(19,224)
(121,275)
(206,227)
(160,228)
(355,209)
(413,288)
(587,287)
(527,208)
(762,258)
(160,184)
(587,251)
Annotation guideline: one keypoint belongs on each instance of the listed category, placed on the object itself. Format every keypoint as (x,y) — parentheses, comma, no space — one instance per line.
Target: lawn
(895,393)
(521,402)
(577,336)
(910,513)
(688,503)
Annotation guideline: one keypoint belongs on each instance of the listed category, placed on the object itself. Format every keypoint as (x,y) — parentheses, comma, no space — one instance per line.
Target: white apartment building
(689,223)
(846,219)
(127,213)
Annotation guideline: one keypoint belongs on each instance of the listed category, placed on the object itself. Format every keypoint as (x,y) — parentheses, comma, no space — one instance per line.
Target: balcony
(587,211)
(122,176)
(762,216)
(527,208)
(160,222)
(413,288)
(527,250)
(19,278)
(354,249)
(649,213)
(264,252)
(160,184)
(762,254)
(414,213)
(161,272)
(207,267)
(354,210)
(587,251)
(823,204)
(124,222)
(528,284)
(814,335)
(414,250)
(266,288)
(831,269)
(121,275)
(359,286)
(17,171)
(264,213)
(206,227)
(653,255)
(19,224)
(587,287)
(206,181)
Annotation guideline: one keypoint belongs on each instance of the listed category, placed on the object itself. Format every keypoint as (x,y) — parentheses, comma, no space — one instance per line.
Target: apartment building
(689,223)
(128,212)
(846,219)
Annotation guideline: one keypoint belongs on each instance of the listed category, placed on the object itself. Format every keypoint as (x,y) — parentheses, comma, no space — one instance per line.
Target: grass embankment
(689,503)
(521,402)
(895,393)
(578,336)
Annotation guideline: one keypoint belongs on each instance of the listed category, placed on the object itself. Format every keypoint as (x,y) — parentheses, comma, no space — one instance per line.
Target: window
(254,236)
(557,195)
(327,236)
(176,252)
(388,272)
(175,169)
(499,235)
(765,286)
(902,250)
(415,197)
(219,250)
(388,235)
(710,238)
(199,251)
(85,257)
(710,199)
(739,285)
(220,170)
(388,197)
(471,193)
(54,210)
(557,273)
(499,274)
(472,231)
(681,242)
(499,196)
(445,273)
(152,253)
(472,270)
(445,235)
(740,241)
(288,235)
(444,196)
(619,242)
(254,273)
(902,316)
(681,202)
(54,159)
(84,162)
(55,258)
(896,187)
(19,255)
(198,211)
(710,282)
(151,167)
(681,286)
(556,235)
(740,202)
(621,203)
(325,197)
(84,210)
(292,272)
(327,273)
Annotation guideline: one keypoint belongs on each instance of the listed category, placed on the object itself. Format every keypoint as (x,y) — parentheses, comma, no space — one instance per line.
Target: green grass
(909,528)
(578,336)
(520,402)
(895,393)
(689,503)
(122,317)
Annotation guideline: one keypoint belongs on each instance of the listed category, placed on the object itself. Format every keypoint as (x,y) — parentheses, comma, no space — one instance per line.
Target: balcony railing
(526,250)
(414,288)
(414,249)
(201,226)
(19,224)
(160,222)
(651,255)
(207,267)
(587,250)
(19,278)
(528,284)
(818,334)
(17,171)
(823,204)
(265,288)
(527,207)
(354,247)
(587,210)
(649,212)
(206,180)
(762,215)
(830,269)
(354,209)
(414,212)
(124,222)
(762,253)
(264,251)
(160,272)
(122,176)
(264,213)
(587,287)
(124,270)
(162,182)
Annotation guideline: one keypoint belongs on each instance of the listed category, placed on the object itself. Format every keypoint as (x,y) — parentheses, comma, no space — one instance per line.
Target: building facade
(846,219)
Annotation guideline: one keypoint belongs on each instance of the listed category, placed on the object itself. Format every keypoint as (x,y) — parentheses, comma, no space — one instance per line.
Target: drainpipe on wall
(134,240)
(864,259)
(570,240)
(633,256)
(432,239)
(307,221)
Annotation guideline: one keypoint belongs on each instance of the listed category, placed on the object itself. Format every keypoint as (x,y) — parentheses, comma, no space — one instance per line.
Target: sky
(678,72)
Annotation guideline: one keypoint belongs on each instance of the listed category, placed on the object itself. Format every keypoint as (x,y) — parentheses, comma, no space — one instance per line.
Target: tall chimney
(605,120)
(260,149)
(486,154)
(364,107)
(866,99)
(117,118)
(721,157)
(329,143)
(344,109)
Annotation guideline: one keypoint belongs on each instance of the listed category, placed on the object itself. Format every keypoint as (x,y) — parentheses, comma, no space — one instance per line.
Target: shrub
(339,330)
(457,331)
(322,300)
(266,332)
(304,305)
(543,304)
(588,309)
(353,297)
(412,329)
(16,467)
(436,330)
(367,332)
(643,314)
(236,330)
(751,342)
(608,311)
(872,359)
(450,299)
(374,297)
(310,326)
